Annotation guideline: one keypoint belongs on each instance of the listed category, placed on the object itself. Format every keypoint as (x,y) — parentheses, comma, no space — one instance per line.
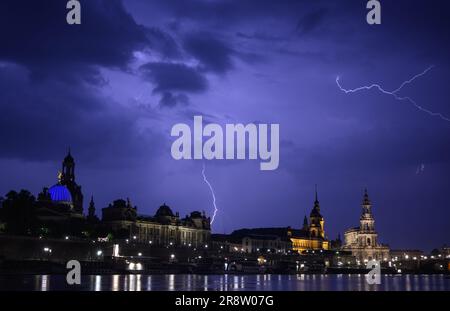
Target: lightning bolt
(395,95)
(212,193)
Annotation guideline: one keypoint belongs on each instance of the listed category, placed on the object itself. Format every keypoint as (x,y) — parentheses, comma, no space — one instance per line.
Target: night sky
(112,88)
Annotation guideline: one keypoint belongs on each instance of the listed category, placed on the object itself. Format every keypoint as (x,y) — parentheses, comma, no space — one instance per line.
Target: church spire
(305,222)
(91,210)
(315,219)
(366,200)
(366,205)
(316,201)
(316,194)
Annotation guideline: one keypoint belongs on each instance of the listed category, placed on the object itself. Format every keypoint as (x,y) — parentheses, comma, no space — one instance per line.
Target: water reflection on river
(266,282)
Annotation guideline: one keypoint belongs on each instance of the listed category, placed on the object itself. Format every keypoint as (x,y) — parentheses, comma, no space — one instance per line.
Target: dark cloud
(174,77)
(163,42)
(39,120)
(311,21)
(213,53)
(226,13)
(169,79)
(36,35)
(170,100)
(261,36)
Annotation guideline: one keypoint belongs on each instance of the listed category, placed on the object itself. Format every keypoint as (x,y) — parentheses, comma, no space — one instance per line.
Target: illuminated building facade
(312,235)
(280,240)
(164,228)
(258,240)
(363,241)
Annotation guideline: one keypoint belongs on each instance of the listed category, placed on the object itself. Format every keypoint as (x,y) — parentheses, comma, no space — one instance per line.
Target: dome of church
(164,210)
(196,214)
(60,193)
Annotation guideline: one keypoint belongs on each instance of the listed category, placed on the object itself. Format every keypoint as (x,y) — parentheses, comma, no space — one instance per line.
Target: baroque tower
(367,223)
(316,221)
(67,178)
(362,241)
(68,169)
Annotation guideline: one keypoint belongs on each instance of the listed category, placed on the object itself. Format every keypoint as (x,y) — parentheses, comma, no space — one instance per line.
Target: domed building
(164,212)
(165,228)
(64,199)
(60,208)
(60,194)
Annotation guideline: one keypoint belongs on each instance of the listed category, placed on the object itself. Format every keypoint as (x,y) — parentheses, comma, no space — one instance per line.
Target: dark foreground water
(181,282)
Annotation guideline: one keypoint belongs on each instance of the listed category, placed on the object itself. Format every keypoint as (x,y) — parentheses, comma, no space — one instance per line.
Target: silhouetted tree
(2,221)
(18,212)
(435,252)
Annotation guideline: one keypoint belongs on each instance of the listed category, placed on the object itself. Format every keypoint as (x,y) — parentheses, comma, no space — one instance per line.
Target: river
(265,282)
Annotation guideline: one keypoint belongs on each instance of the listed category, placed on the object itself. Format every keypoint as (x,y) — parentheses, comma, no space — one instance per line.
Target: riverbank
(41,267)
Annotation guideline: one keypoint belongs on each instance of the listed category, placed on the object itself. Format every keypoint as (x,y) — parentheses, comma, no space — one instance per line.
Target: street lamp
(47,251)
